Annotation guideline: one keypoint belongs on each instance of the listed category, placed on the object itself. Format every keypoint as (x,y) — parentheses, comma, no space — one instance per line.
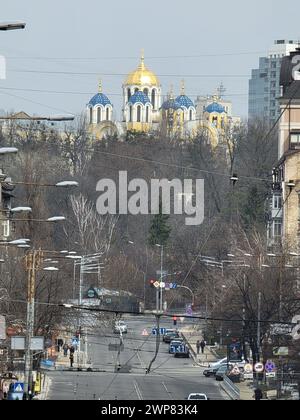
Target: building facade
(264,85)
(284,224)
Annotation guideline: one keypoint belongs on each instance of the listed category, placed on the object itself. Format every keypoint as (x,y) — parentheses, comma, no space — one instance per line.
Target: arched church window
(91,115)
(139,112)
(99,115)
(191,115)
(128,94)
(107,114)
(130,113)
(153,97)
(147,114)
(136,90)
(146,91)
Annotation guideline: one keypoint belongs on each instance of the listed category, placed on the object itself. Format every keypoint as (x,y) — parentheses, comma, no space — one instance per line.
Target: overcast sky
(105,38)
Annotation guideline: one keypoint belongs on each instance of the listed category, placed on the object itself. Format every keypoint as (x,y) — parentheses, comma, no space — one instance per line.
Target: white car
(198,397)
(120,327)
(222,362)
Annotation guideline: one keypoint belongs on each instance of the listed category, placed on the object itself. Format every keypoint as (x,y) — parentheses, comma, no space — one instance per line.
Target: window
(146,91)
(130,114)
(295,140)
(277,228)
(139,111)
(107,114)
(128,94)
(6,229)
(99,115)
(136,90)
(277,202)
(147,114)
(91,115)
(153,97)
(191,115)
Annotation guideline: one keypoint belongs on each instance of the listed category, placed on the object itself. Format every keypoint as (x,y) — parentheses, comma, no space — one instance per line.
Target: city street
(170,378)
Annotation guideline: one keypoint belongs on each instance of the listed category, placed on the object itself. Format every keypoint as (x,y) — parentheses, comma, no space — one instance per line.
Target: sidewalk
(63,362)
(192,335)
(246,391)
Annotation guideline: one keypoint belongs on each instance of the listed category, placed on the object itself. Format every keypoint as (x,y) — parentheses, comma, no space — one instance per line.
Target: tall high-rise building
(264,85)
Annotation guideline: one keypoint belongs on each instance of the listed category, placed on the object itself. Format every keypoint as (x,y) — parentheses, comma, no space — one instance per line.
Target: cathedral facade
(145,110)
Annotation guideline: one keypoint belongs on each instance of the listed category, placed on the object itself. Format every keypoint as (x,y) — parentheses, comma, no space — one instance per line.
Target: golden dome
(142,76)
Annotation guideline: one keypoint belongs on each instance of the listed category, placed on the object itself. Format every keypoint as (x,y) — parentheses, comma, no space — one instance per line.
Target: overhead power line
(74,73)
(150,57)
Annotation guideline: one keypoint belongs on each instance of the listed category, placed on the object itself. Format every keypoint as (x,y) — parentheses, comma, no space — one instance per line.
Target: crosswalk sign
(18,387)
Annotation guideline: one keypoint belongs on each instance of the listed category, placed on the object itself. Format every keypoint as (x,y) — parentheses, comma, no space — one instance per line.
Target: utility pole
(33,262)
(161,278)
(258,325)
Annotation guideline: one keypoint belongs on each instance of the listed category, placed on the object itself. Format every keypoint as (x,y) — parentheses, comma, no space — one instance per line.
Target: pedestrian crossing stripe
(145,333)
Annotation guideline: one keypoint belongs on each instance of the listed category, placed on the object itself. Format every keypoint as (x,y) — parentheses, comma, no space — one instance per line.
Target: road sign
(156,284)
(248,368)
(18,387)
(270,366)
(281,329)
(161,273)
(248,376)
(271,374)
(259,367)
(235,370)
(162,331)
(145,333)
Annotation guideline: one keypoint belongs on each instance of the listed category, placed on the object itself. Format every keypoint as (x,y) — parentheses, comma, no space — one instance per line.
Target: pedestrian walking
(71,359)
(72,350)
(198,345)
(258,394)
(202,345)
(65,348)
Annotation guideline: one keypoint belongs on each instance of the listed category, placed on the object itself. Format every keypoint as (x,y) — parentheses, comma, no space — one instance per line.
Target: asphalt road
(121,375)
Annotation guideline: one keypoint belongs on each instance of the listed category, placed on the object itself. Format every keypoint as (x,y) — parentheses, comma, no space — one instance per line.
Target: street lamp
(21,210)
(8,150)
(10,26)
(51,269)
(65,184)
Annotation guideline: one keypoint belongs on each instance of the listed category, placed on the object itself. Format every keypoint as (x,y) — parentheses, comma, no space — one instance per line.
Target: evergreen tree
(159,231)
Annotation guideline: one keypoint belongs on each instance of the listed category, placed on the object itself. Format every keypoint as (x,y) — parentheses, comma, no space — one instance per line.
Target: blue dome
(185,101)
(171,104)
(215,107)
(99,99)
(139,97)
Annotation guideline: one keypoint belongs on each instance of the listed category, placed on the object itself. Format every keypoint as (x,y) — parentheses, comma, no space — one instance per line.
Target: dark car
(210,372)
(170,336)
(227,371)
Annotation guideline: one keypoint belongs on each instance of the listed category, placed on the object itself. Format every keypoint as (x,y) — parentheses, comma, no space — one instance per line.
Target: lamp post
(159,298)
(10,26)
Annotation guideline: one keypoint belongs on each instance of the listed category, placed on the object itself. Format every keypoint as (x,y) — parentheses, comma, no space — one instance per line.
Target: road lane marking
(137,390)
(168,392)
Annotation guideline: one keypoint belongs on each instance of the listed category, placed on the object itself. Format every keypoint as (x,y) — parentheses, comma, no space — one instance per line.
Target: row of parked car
(224,368)
(177,345)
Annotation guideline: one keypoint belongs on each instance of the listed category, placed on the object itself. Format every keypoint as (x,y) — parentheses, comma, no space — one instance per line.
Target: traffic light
(152,283)
(174,320)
